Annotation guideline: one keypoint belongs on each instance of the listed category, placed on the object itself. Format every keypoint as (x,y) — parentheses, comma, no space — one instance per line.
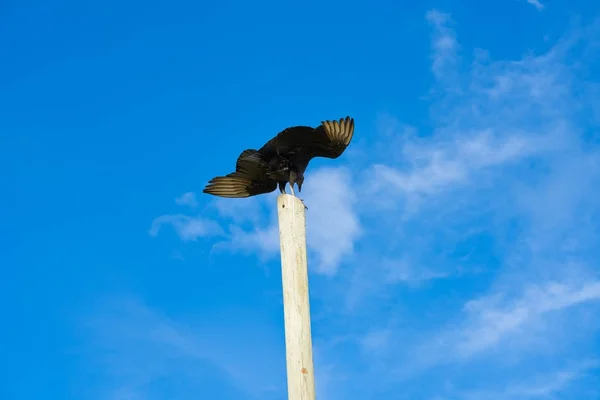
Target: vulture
(283,160)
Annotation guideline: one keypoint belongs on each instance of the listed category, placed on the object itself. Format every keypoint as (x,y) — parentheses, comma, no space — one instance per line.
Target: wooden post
(296,308)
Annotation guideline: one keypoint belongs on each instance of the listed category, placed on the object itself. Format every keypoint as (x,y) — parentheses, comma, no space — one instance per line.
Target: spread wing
(287,141)
(249,179)
(243,155)
(329,140)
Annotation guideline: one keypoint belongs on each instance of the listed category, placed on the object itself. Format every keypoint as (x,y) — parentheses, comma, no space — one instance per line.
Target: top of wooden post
(291,202)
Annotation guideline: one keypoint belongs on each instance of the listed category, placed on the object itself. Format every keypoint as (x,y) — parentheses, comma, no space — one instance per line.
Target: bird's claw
(303,203)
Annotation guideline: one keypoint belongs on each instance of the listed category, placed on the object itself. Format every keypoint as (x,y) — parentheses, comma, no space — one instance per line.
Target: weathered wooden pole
(296,308)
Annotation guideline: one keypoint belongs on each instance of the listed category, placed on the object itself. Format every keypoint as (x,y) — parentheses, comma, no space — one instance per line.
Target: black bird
(283,159)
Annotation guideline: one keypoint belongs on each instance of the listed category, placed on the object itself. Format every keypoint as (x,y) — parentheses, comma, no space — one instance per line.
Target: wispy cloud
(187,199)
(440,164)
(401,270)
(443,42)
(140,353)
(333,224)
(494,317)
(536,4)
(260,239)
(187,228)
(543,386)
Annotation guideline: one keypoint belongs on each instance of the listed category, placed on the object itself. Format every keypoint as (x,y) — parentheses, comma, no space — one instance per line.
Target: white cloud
(444,43)
(332,222)
(536,4)
(376,340)
(544,386)
(187,228)
(402,270)
(244,210)
(437,165)
(187,199)
(261,240)
(555,382)
(494,317)
(333,225)
(503,328)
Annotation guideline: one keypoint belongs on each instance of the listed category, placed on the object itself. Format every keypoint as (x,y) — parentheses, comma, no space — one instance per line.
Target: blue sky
(453,249)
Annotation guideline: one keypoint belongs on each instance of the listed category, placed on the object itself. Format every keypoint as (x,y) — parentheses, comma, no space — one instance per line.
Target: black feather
(283,159)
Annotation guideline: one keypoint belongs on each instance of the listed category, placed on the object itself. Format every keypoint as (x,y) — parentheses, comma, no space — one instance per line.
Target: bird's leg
(293,177)
(282,187)
(292,190)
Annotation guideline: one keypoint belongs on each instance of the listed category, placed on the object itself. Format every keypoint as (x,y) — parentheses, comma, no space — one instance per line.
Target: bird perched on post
(283,159)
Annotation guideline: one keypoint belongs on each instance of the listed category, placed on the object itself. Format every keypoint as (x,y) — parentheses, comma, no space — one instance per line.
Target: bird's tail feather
(233,185)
